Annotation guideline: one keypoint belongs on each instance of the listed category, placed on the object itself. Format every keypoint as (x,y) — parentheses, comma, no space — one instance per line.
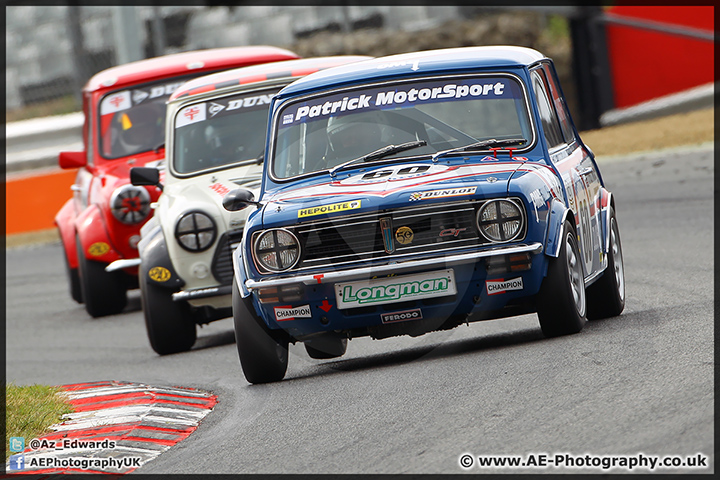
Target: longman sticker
(500,286)
(332,208)
(291,313)
(159,274)
(98,248)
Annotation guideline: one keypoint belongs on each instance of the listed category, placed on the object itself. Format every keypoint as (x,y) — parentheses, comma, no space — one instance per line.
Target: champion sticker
(414,314)
(159,274)
(291,313)
(332,208)
(450,192)
(98,248)
(500,286)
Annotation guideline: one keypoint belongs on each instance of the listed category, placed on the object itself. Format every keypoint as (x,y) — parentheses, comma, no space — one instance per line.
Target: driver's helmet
(353,135)
(140,128)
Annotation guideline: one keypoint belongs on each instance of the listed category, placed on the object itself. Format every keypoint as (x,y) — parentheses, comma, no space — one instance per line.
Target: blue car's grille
(347,240)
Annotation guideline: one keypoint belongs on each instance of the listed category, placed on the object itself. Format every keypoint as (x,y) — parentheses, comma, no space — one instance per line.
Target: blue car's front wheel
(561,303)
(263,352)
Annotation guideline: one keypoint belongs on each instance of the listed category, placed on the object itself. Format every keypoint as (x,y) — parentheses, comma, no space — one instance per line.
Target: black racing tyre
(561,302)
(324,347)
(606,297)
(104,293)
(73,279)
(263,352)
(170,325)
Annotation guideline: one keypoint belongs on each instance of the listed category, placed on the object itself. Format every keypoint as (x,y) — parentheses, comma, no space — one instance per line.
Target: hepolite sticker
(288,312)
(332,208)
(500,286)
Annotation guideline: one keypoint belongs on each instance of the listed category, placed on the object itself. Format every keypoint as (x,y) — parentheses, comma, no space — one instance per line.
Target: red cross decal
(191,112)
(117,100)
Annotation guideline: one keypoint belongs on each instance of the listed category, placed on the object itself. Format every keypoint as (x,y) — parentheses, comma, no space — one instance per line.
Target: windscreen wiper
(478,145)
(379,153)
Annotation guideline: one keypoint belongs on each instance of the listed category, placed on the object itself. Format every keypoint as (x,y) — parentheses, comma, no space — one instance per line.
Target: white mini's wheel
(561,302)
(170,325)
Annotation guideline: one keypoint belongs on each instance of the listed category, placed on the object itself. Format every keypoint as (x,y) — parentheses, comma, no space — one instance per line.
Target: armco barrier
(33,198)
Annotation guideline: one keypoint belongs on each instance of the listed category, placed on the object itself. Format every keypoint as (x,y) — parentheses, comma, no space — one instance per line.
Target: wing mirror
(145,176)
(69,160)
(239,199)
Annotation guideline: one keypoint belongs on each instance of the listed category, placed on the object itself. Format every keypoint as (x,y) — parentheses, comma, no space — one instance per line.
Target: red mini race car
(124,127)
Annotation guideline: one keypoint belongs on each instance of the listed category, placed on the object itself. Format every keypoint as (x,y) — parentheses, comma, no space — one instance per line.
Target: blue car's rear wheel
(606,297)
(263,352)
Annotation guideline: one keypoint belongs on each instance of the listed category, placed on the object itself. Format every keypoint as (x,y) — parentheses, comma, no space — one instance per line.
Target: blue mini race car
(416,192)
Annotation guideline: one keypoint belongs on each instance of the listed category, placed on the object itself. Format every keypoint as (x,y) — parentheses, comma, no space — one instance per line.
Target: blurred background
(607,57)
(617,65)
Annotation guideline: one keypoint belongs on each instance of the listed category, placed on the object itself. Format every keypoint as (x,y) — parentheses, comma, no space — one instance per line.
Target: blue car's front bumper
(311,306)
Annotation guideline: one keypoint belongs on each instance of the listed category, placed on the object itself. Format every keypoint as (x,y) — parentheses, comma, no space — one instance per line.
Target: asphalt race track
(641,383)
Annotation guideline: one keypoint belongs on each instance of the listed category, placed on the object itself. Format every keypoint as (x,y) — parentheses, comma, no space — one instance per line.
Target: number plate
(381,291)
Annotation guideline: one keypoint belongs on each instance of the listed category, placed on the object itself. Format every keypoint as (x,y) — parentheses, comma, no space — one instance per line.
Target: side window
(560,105)
(550,124)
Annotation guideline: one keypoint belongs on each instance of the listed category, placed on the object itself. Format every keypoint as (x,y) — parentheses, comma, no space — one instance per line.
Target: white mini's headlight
(276,250)
(500,220)
(195,231)
(130,204)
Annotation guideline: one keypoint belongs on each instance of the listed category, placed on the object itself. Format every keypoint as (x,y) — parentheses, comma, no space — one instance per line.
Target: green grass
(59,106)
(30,410)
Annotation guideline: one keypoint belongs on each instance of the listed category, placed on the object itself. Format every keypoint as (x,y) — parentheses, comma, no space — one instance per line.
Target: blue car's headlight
(276,250)
(501,220)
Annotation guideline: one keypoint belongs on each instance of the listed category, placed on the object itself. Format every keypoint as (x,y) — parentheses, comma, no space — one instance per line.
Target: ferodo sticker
(159,274)
(450,192)
(500,286)
(98,248)
(291,313)
(332,208)
(414,314)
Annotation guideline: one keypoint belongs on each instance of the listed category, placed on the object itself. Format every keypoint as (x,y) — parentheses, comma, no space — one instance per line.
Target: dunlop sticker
(332,208)
(159,274)
(448,192)
(98,248)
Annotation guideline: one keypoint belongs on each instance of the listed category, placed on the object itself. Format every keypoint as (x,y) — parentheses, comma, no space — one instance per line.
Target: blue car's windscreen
(322,132)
